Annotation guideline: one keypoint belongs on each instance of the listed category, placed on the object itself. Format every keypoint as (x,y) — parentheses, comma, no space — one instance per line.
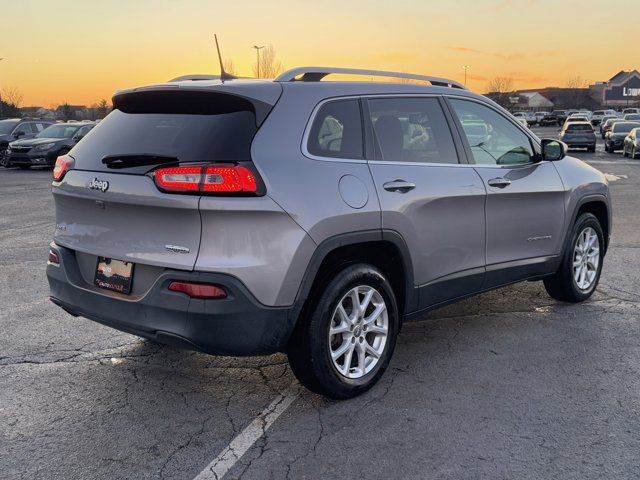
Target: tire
(563,285)
(4,159)
(311,346)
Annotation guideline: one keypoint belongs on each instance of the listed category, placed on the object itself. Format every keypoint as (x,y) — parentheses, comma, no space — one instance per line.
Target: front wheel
(579,272)
(343,344)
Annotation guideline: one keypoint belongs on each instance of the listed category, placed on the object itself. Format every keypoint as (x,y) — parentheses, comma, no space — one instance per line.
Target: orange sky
(80,51)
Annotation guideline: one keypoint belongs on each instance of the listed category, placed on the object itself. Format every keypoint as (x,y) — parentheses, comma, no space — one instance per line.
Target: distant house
(70,112)
(38,112)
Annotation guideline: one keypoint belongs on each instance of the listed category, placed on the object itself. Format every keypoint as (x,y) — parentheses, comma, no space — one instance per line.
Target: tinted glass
(59,130)
(337,130)
(492,137)
(574,127)
(189,138)
(24,127)
(624,127)
(7,126)
(411,130)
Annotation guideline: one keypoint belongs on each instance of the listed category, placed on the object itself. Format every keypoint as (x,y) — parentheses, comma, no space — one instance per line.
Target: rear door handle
(499,182)
(399,186)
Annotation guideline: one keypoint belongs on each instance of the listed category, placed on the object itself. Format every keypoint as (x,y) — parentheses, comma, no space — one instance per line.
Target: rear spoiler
(190,101)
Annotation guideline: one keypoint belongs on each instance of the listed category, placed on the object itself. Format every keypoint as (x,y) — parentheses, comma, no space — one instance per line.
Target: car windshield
(6,126)
(579,127)
(624,127)
(60,130)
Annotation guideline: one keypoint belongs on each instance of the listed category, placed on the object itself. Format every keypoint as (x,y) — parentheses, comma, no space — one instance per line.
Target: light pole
(466,67)
(258,55)
(1,109)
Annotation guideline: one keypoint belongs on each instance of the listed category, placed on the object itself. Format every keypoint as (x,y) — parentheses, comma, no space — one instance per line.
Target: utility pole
(258,60)
(466,67)
(1,108)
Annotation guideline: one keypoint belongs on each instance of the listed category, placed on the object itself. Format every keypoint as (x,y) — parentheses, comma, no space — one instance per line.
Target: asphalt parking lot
(509,384)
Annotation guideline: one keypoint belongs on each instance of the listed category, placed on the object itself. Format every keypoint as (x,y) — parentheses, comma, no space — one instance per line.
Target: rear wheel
(343,345)
(4,158)
(579,272)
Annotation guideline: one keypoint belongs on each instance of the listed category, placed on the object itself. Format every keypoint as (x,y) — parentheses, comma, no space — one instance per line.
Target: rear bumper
(236,325)
(580,143)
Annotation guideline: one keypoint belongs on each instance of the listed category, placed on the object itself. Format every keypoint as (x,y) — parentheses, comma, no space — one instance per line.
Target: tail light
(207,179)
(53,258)
(63,165)
(199,290)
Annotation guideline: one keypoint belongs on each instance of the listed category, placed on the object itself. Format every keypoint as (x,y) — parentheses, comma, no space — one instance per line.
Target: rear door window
(336,131)
(411,130)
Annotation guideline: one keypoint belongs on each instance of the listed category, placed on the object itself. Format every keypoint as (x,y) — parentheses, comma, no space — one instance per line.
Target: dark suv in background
(18,128)
(46,146)
(557,117)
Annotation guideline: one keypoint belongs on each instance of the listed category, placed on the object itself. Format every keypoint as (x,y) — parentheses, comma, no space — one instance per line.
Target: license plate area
(114,275)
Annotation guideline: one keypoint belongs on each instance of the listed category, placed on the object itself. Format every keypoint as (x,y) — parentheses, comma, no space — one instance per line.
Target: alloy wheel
(586,259)
(358,332)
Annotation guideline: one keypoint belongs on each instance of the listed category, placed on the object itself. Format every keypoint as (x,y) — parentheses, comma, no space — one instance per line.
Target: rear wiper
(136,160)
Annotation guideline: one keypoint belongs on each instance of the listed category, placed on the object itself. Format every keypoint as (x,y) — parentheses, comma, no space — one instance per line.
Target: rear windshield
(172,127)
(579,127)
(188,138)
(624,127)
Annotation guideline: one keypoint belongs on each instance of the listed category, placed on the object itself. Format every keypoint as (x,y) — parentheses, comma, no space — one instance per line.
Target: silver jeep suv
(311,217)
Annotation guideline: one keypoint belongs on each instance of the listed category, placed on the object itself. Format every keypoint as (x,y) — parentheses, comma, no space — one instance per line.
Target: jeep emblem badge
(96,184)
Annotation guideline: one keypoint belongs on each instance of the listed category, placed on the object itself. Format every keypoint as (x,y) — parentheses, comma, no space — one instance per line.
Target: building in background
(621,91)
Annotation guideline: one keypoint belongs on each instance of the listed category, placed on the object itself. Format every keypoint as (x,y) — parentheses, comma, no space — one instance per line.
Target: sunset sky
(81,51)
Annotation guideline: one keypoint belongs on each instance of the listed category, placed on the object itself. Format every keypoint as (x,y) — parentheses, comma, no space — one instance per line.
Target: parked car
(632,117)
(530,117)
(579,135)
(215,216)
(631,145)
(607,124)
(627,111)
(539,116)
(614,138)
(557,117)
(46,146)
(14,128)
(599,115)
(575,118)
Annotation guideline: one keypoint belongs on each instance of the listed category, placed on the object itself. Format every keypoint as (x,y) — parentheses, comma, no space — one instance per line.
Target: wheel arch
(385,249)
(598,206)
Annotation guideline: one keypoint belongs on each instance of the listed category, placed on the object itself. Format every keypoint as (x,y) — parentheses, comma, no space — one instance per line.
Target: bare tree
(577,93)
(229,67)
(13,96)
(499,89)
(269,66)
(103,108)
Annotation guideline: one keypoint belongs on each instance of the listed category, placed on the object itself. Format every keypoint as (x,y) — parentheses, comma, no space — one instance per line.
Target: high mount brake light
(207,179)
(63,165)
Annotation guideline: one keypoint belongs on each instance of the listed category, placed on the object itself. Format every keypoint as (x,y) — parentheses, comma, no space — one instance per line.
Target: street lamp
(466,67)
(1,112)
(258,54)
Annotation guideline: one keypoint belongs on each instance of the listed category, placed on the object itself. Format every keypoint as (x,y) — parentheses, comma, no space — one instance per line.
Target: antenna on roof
(223,75)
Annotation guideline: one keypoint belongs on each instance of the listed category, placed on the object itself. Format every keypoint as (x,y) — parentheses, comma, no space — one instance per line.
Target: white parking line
(225,461)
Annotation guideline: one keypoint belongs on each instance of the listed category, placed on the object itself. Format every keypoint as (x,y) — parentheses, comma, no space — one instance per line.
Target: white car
(626,111)
(539,116)
(529,117)
(599,115)
(523,121)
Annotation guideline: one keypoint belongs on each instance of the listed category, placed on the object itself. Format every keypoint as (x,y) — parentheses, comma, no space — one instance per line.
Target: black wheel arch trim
(365,236)
(599,198)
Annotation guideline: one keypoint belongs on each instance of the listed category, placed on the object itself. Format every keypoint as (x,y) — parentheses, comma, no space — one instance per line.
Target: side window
(337,130)
(493,139)
(39,127)
(25,128)
(411,130)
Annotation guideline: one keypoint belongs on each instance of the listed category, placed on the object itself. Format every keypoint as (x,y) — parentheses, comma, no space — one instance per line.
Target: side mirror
(553,150)
(19,134)
(77,138)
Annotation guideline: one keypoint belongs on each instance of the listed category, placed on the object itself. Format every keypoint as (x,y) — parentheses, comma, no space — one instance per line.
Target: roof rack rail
(315,74)
(195,77)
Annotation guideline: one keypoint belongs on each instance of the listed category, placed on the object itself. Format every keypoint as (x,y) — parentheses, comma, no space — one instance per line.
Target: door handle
(399,186)
(499,182)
